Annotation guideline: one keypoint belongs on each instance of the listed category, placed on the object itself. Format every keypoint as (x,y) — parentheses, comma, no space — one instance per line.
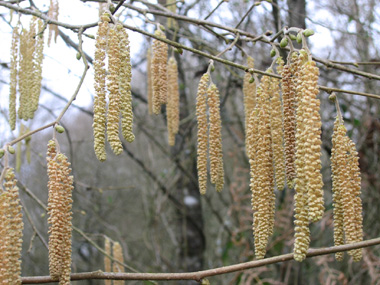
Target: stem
(199,275)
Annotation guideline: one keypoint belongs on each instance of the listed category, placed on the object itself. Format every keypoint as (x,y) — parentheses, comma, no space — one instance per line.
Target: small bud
(256,3)
(11,149)
(273,53)
(179,50)
(293,37)
(59,129)
(112,9)
(212,68)
(284,42)
(162,28)
(299,38)
(79,55)
(205,282)
(332,97)
(91,36)
(308,32)
(252,79)
(28,139)
(2,152)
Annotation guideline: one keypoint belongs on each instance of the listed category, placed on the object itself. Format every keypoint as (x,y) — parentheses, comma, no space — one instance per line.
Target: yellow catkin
(171,5)
(13,78)
(277,129)
(309,90)
(202,137)
(60,215)
(26,74)
(149,81)
(159,72)
(337,195)
(118,256)
(125,77)
(37,70)
(249,92)
(14,227)
(288,84)
(262,171)
(172,109)
(107,260)
(346,184)
(355,185)
(301,210)
(99,120)
(113,114)
(215,138)
(4,221)
(53,14)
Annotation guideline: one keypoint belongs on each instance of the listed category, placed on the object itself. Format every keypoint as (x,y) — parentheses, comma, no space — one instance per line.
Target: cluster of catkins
(112,42)
(11,227)
(118,259)
(209,135)
(163,84)
(60,187)
(283,142)
(26,70)
(348,220)
(265,149)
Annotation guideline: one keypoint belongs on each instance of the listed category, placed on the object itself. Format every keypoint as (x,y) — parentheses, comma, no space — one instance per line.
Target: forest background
(147,198)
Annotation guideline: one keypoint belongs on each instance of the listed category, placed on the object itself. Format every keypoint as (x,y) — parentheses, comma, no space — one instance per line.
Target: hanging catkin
(277,128)
(99,120)
(202,137)
(125,77)
(118,256)
(53,14)
(13,78)
(107,260)
(172,109)
(113,114)
(11,227)
(308,183)
(159,72)
(249,92)
(346,191)
(27,49)
(60,215)
(288,84)
(149,81)
(262,171)
(215,138)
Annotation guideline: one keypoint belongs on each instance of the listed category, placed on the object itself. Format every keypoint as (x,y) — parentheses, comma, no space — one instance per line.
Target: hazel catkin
(113,114)
(11,227)
(159,72)
(172,109)
(99,120)
(59,210)
(249,92)
(125,77)
(202,137)
(118,256)
(215,138)
(13,78)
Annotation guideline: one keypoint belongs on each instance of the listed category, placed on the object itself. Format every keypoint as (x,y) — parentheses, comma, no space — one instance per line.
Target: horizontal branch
(199,275)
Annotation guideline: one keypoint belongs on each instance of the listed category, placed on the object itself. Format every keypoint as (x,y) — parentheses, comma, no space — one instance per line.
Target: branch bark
(199,275)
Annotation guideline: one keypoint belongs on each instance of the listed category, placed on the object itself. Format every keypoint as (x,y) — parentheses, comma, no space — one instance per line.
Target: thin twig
(217,6)
(199,275)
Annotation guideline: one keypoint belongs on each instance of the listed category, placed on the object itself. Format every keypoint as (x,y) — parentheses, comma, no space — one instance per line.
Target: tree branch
(199,275)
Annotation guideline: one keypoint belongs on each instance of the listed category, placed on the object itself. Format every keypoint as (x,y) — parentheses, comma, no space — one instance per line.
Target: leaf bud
(11,149)
(112,9)
(292,37)
(179,50)
(299,38)
(284,42)
(252,79)
(273,53)
(2,152)
(79,55)
(308,32)
(59,129)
